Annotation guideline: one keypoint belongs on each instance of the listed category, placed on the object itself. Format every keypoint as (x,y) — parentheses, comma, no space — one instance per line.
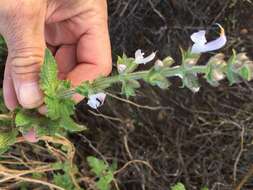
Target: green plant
(60,107)
(178,186)
(64,177)
(103,172)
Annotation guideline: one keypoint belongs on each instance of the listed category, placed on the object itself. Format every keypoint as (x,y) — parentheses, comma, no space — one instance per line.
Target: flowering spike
(139,57)
(200,45)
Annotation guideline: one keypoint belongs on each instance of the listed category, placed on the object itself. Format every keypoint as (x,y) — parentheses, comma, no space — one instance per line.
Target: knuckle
(26,61)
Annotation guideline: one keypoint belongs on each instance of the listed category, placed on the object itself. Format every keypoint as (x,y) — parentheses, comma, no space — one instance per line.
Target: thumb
(25,40)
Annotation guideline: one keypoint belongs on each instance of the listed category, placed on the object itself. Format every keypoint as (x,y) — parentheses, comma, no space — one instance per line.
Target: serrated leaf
(8,138)
(48,76)
(64,181)
(104,183)
(97,166)
(103,171)
(22,119)
(57,107)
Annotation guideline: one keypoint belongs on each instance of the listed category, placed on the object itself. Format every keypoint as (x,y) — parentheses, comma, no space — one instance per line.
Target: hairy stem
(140,75)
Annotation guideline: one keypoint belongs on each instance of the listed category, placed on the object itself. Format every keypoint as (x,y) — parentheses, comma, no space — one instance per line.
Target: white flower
(139,57)
(200,45)
(96,100)
(121,68)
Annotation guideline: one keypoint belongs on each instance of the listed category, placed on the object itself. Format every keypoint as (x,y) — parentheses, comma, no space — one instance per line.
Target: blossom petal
(215,44)
(31,136)
(139,57)
(198,48)
(199,37)
(96,100)
(139,54)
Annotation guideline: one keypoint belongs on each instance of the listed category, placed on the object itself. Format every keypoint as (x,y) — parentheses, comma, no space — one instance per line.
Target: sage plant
(58,93)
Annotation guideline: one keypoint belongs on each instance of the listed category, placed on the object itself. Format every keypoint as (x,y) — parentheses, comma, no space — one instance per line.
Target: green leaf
(246,72)
(128,62)
(3,150)
(205,188)
(155,78)
(84,89)
(103,172)
(129,87)
(97,166)
(231,75)
(3,108)
(8,138)
(188,58)
(59,108)
(48,76)
(104,183)
(68,124)
(22,119)
(64,181)
(178,186)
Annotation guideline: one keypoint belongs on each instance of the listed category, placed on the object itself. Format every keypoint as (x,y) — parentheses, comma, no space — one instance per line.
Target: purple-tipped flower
(96,100)
(140,59)
(200,43)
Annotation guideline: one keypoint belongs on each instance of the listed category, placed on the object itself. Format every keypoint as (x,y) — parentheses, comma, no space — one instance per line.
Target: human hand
(76,31)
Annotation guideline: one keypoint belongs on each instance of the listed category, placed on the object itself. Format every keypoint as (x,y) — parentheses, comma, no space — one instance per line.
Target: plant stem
(140,75)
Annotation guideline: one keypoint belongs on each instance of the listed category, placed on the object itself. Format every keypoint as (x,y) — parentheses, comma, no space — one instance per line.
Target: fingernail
(30,95)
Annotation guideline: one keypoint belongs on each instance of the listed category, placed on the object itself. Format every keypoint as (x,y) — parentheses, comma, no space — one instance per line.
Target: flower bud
(159,63)
(217,75)
(242,57)
(121,68)
(168,61)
